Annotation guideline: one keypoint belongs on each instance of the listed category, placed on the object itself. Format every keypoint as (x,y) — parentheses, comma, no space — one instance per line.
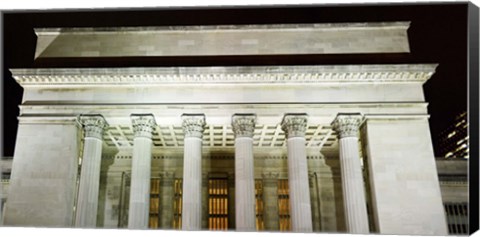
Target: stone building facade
(322,148)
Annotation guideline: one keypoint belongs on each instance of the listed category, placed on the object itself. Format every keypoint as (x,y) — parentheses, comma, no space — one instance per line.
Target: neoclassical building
(316,148)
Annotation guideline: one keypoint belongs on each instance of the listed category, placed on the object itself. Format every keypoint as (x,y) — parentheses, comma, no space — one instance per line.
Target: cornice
(391,73)
(203,28)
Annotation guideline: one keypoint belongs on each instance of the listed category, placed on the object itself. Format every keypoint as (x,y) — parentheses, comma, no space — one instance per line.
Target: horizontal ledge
(388,73)
(395,116)
(248,27)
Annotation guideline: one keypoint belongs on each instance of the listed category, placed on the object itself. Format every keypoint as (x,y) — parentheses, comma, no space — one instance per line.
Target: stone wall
(42,186)
(403,177)
(324,177)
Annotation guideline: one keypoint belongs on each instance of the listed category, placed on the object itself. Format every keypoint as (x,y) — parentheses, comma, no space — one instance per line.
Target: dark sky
(437,34)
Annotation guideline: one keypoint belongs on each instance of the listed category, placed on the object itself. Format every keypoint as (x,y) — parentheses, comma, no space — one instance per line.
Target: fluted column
(243,126)
(270,200)
(143,126)
(167,191)
(295,126)
(87,202)
(346,125)
(193,125)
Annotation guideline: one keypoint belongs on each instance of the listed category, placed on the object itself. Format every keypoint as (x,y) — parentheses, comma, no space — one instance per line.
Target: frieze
(108,157)
(270,175)
(214,157)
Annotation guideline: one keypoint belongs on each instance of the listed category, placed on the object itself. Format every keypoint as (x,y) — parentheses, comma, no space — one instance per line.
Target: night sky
(437,34)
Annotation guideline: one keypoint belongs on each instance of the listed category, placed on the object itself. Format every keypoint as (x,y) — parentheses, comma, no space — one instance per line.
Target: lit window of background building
(454,139)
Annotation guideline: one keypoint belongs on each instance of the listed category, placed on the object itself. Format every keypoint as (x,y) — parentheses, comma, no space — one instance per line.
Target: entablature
(238,75)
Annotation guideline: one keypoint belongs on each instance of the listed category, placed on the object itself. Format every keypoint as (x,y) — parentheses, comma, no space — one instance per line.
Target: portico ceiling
(265,136)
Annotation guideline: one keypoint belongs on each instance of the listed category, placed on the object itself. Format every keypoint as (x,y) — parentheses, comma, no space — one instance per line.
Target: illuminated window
(283,205)
(451,134)
(259,205)
(218,204)
(154,217)
(177,205)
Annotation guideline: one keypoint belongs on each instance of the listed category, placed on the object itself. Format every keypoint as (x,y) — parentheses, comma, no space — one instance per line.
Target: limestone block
(403,177)
(42,186)
(109,200)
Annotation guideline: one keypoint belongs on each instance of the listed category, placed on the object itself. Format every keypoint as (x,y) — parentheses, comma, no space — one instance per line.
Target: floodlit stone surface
(388,37)
(143,126)
(243,127)
(347,126)
(87,202)
(295,126)
(286,84)
(44,171)
(193,126)
(403,176)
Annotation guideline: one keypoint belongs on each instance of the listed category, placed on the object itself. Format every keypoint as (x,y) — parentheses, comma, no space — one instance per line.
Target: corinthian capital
(93,125)
(243,125)
(294,125)
(193,125)
(346,125)
(143,125)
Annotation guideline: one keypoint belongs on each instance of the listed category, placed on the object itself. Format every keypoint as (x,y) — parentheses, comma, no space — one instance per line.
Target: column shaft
(295,126)
(140,184)
(192,184)
(243,126)
(139,205)
(300,210)
(356,218)
(87,201)
(353,188)
(192,171)
(244,185)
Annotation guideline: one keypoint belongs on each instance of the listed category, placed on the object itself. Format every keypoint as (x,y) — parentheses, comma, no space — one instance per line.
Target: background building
(453,175)
(454,140)
(5,172)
